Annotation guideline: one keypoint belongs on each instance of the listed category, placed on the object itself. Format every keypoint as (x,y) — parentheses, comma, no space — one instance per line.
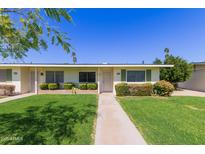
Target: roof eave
(42,65)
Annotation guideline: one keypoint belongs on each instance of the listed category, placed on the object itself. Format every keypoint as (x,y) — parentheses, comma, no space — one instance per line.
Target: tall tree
(181,71)
(157,61)
(25,29)
(166,51)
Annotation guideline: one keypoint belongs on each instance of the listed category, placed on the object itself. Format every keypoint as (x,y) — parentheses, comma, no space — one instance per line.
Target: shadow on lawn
(48,124)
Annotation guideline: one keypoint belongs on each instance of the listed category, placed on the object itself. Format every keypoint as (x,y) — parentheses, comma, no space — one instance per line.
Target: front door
(107,82)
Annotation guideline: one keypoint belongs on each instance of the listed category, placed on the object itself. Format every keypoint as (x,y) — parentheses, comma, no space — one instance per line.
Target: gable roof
(81,65)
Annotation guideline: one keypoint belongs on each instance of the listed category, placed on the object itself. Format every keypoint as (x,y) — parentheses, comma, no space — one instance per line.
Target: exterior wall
(16,78)
(21,77)
(197,80)
(117,75)
(70,74)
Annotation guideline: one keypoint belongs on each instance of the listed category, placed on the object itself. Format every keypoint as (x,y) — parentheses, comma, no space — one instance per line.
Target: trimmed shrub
(7,89)
(83,86)
(140,89)
(44,86)
(163,88)
(122,89)
(68,85)
(92,86)
(53,86)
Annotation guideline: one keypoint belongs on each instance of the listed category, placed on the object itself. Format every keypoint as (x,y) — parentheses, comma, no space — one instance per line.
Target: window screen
(82,76)
(135,76)
(5,75)
(59,77)
(86,76)
(50,77)
(54,76)
(91,76)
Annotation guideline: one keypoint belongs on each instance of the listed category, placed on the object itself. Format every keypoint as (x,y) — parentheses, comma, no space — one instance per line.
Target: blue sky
(130,36)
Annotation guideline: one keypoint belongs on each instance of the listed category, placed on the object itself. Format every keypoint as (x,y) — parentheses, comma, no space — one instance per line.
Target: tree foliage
(157,61)
(181,71)
(25,29)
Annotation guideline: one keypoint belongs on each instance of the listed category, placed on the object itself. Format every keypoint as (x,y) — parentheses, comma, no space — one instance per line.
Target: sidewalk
(113,124)
(15,97)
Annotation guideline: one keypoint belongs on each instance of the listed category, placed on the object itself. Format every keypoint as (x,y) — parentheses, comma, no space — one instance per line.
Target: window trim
(137,81)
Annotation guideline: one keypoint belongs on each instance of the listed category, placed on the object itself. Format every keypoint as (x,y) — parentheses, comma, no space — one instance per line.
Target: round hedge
(53,86)
(122,89)
(83,86)
(92,86)
(68,85)
(44,86)
(163,88)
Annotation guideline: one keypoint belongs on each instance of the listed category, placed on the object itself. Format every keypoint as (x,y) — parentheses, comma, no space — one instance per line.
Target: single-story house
(27,76)
(197,80)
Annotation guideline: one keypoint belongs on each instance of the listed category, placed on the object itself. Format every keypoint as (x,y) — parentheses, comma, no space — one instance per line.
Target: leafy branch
(25,29)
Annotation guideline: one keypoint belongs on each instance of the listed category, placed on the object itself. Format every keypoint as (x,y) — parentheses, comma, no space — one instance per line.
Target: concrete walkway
(10,98)
(113,124)
(185,92)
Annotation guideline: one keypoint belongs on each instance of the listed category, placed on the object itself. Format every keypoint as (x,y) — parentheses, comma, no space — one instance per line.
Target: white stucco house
(27,76)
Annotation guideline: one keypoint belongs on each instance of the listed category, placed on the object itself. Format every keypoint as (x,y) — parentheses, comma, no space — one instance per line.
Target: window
(5,75)
(83,76)
(54,76)
(50,77)
(135,76)
(59,77)
(86,76)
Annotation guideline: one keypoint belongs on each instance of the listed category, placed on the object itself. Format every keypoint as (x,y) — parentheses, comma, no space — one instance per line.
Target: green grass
(173,120)
(48,119)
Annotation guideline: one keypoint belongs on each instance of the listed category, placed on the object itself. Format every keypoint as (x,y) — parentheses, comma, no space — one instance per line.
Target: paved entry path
(10,98)
(113,124)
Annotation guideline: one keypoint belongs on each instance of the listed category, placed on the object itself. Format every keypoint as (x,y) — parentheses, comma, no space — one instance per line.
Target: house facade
(28,77)
(197,80)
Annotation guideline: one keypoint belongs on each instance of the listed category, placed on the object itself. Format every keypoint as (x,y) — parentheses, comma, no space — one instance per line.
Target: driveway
(185,92)
(113,124)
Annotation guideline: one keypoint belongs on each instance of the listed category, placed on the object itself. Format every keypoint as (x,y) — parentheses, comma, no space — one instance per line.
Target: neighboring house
(27,77)
(197,80)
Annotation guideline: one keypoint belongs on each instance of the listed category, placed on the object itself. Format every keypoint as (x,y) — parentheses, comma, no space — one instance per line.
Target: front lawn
(48,119)
(172,120)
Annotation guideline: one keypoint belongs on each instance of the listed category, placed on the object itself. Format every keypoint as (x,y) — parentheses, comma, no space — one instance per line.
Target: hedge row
(124,89)
(69,86)
(7,89)
(161,88)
